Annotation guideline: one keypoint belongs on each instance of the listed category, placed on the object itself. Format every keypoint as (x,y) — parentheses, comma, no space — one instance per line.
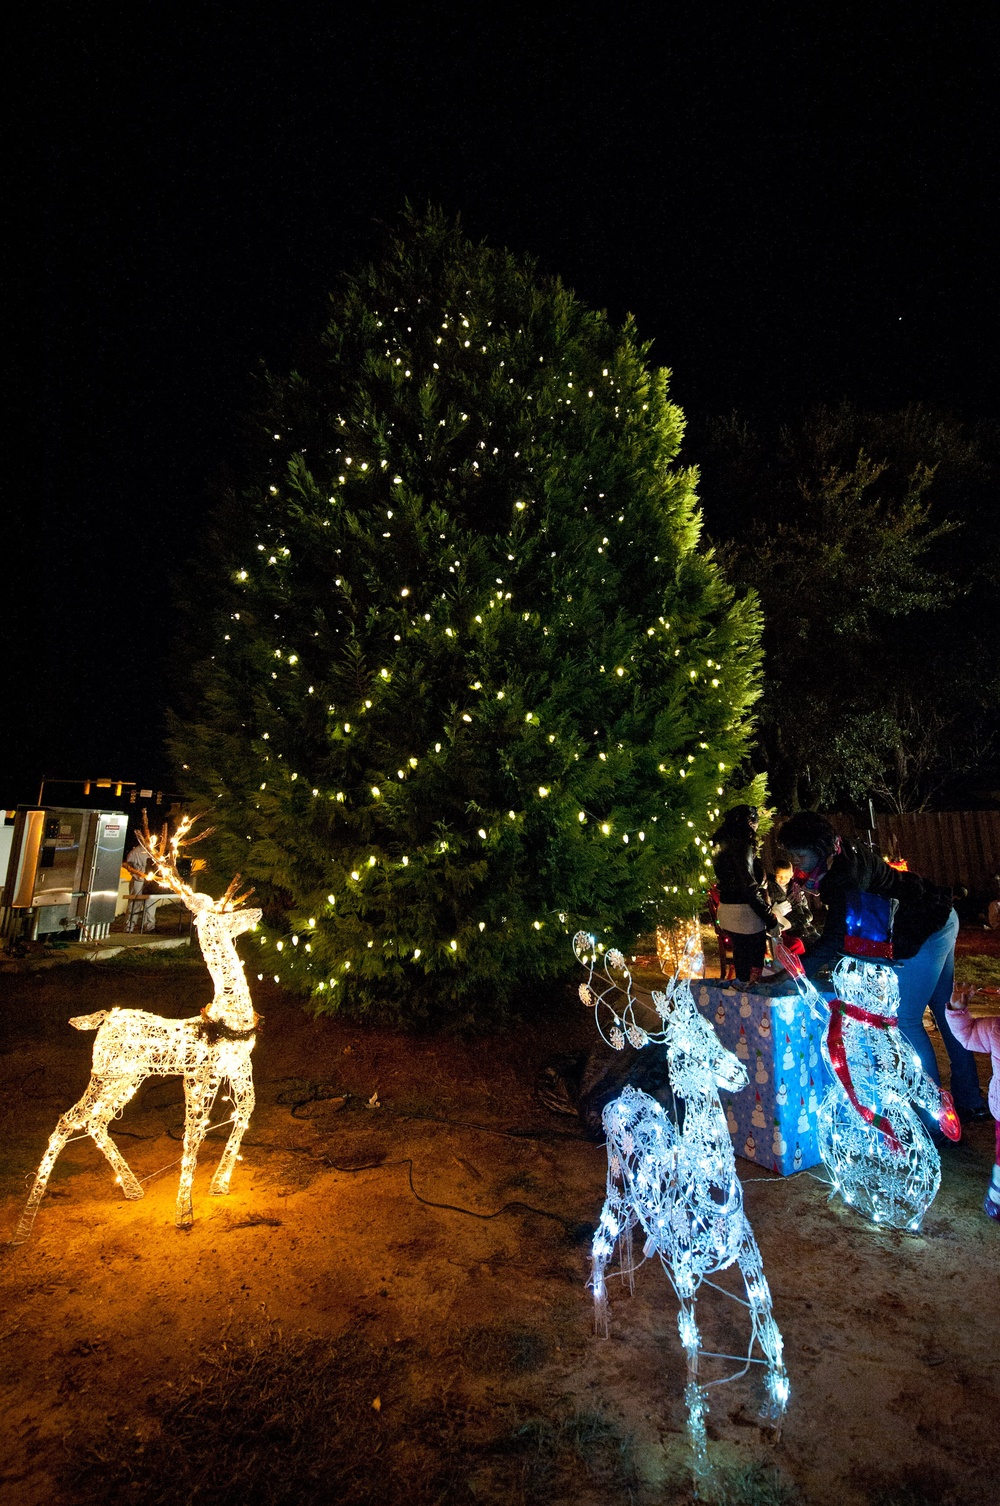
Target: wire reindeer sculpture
(207,1050)
(878,1154)
(677,1181)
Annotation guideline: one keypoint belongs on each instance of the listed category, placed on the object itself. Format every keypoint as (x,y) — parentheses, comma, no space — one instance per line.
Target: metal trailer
(62,872)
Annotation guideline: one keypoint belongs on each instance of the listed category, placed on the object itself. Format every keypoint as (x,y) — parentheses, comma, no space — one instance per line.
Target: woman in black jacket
(897,917)
(745,912)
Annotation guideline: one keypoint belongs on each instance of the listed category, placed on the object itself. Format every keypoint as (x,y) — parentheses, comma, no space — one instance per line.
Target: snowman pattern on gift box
(757,1117)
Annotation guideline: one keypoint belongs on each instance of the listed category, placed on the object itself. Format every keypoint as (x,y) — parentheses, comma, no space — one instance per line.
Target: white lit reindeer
(131,1045)
(678,1181)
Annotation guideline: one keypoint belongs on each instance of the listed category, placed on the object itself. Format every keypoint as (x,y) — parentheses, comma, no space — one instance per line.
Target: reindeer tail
(89,1021)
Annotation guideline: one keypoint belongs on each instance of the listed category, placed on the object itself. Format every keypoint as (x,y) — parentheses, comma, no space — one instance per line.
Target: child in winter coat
(981,1035)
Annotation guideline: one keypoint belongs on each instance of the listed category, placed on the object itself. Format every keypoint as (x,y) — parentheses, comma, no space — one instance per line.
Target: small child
(981,1035)
(790,906)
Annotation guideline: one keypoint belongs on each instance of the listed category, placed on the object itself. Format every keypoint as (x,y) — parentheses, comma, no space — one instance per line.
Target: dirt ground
(391,1301)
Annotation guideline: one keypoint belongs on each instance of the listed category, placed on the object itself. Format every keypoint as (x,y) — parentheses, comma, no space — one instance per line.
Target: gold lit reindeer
(131,1045)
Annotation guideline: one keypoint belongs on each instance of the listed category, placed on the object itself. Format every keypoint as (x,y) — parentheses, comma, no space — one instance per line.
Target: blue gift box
(773,1120)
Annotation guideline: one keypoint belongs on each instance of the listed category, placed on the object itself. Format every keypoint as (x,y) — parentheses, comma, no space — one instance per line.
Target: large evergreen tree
(470,684)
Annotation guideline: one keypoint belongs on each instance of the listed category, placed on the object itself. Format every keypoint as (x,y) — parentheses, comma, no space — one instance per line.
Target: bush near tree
(466,682)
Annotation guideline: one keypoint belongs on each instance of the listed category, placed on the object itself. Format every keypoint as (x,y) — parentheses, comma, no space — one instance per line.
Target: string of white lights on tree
(430,691)
(878,1154)
(676,1181)
(211,1049)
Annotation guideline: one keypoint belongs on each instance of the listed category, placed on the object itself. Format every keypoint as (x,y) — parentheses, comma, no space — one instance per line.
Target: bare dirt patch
(391,1301)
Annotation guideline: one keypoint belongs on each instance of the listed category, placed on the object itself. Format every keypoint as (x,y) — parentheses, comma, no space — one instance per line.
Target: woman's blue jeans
(928,978)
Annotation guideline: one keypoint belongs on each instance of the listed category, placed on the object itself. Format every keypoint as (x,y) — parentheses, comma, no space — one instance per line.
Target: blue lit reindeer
(677,1181)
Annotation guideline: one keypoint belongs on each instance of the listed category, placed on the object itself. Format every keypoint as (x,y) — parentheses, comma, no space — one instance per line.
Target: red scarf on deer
(838,1059)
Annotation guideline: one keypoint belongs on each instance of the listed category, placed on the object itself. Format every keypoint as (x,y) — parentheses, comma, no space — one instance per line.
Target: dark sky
(797,203)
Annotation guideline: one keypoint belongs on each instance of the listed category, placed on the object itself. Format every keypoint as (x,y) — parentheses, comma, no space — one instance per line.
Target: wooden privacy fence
(950,847)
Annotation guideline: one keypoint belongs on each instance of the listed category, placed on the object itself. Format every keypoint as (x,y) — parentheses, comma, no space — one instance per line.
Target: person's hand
(961,997)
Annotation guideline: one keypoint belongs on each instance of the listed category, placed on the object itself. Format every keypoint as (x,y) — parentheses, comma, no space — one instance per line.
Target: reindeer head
(699,1062)
(870,985)
(231,923)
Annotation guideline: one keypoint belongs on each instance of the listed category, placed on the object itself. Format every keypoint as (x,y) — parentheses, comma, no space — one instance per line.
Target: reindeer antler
(165,850)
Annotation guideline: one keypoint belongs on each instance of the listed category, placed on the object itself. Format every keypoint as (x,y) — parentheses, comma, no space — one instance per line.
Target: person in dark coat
(744,912)
(898,917)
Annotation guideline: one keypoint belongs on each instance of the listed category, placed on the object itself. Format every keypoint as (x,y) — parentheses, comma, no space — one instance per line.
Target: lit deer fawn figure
(678,1183)
(131,1045)
(879,1156)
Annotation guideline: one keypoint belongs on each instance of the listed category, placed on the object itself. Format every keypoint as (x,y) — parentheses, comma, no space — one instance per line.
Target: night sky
(797,203)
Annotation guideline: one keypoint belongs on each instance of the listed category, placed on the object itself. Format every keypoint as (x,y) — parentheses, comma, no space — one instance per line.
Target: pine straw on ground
(275,1421)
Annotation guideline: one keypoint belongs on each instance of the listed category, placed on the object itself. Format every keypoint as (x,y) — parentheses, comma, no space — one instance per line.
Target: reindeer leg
(114,1098)
(608,1230)
(199,1096)
(74,1121)
(764,1329)
(626,1254)
(694,1394)
(241,1088)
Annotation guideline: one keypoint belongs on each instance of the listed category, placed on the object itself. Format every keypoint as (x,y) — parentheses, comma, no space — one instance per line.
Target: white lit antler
(164,852)
(131,1045)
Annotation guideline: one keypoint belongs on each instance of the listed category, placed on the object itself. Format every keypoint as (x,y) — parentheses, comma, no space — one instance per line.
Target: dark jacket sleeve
(922,907)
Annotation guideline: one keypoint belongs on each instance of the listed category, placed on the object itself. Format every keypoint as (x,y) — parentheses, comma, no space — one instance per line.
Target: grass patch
(978,970)
(503,1349)
(582,1457)
(928,1486)
(753,1484)
(141,958)
(265,1422)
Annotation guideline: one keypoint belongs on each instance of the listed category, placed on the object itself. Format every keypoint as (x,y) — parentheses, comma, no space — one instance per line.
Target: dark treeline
(873,542)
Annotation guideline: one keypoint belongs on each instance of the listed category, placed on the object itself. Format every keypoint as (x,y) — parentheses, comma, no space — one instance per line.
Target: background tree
(872,540)
(460,679)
